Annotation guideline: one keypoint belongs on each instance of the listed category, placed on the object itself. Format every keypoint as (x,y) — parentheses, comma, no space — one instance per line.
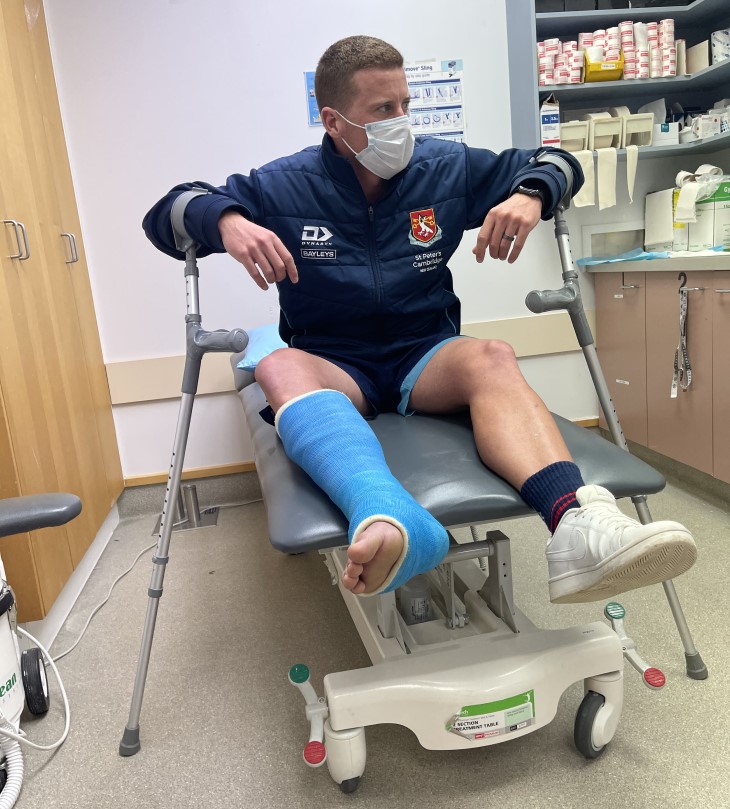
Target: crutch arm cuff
(558,172)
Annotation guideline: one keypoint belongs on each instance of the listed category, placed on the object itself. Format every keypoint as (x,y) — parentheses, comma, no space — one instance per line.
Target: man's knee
(492,364)
(273,367)
(496,355)
(284,374)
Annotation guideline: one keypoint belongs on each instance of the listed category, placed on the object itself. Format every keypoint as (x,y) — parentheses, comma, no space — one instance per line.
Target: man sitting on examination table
(356,234)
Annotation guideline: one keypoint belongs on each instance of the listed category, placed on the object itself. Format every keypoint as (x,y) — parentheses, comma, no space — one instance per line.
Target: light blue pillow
(261,341)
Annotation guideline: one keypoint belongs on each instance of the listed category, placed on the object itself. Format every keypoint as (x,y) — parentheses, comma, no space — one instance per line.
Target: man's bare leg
(516,435)
(288,373)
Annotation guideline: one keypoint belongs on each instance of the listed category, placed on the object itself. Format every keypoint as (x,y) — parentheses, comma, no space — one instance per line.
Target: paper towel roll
(708,168)
(587,194)
(619,112)
(632,158)
(606,160)
(694,186)
(686,211)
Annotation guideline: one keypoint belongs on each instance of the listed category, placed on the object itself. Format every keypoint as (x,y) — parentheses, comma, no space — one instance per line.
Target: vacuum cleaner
(23,682)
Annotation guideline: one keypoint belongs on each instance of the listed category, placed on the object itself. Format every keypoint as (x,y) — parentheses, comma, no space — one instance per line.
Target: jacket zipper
(374,257)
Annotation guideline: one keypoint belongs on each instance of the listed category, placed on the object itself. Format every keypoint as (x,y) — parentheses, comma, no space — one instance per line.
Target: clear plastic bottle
(414,599)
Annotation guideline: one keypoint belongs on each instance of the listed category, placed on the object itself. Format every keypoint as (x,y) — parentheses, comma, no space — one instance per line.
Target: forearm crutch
(569,299)
(198,343)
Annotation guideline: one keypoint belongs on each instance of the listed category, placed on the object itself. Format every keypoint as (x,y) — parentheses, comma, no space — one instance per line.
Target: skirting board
(194,474)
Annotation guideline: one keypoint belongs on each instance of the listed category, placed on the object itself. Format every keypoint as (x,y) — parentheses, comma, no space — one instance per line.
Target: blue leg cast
(324,434)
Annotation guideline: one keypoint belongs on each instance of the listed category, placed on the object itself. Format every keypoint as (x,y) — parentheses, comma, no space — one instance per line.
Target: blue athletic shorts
(388,376)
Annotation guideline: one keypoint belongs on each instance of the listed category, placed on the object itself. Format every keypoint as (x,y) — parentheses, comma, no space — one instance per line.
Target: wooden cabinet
(56,428)
(721,374)
(621,336)
(637,333)
(680,428)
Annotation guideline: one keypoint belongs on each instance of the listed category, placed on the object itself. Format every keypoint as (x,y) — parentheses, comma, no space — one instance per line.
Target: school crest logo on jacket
(424,229)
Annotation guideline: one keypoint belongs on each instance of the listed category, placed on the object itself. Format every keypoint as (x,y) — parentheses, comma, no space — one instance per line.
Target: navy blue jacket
(369,275)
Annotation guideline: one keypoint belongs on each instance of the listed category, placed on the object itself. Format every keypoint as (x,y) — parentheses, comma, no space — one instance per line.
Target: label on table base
(494,718)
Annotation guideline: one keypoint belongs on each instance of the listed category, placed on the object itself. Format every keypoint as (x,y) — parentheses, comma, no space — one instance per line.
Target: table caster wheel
(350,785)
(584,721)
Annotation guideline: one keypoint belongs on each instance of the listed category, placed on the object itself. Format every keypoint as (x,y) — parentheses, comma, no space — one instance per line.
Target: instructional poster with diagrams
(437,98)
(314,118)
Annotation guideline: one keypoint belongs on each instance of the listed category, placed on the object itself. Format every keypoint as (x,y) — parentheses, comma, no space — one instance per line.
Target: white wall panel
(156,92)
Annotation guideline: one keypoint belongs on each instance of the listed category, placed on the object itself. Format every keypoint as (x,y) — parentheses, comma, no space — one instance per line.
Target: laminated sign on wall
(437,98)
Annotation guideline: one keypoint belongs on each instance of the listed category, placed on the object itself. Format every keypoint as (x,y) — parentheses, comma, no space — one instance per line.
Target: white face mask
(390,145)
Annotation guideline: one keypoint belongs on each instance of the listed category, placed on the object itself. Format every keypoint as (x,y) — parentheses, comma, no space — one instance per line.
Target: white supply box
(665,134)
(659,221)
(711,228)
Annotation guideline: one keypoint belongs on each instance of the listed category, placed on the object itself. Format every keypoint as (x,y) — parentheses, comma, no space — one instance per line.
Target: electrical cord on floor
(102,603)
(116,581)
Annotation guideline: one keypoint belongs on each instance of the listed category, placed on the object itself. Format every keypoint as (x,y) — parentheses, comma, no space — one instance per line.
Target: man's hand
(515,217)
(260,251)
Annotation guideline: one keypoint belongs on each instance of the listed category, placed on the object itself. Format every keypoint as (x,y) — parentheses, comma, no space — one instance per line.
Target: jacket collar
(337,166)
(341,171)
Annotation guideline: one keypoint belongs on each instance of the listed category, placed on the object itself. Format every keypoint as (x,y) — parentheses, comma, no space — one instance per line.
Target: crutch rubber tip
(314,754)
(654,678)
(130,742)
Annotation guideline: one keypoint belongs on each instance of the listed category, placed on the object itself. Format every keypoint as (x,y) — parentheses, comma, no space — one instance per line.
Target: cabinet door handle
(691,289)
(629,286)
(23,250)
(722,291)
(72,245)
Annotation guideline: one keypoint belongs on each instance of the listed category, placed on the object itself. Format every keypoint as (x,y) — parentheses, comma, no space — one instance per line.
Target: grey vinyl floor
(222,727)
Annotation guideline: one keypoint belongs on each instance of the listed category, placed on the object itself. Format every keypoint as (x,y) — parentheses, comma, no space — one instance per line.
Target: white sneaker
(597,552)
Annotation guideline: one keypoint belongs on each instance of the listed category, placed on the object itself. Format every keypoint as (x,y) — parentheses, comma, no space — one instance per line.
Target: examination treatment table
(472,670)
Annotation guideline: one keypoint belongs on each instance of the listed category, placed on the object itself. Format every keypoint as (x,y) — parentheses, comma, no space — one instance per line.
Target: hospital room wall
(155,92)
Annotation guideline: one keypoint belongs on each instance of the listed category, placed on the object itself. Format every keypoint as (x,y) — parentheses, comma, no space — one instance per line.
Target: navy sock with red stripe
(551,491)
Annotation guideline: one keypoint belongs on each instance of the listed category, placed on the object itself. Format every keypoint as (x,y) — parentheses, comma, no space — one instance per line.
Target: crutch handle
(550,300)
(221,340)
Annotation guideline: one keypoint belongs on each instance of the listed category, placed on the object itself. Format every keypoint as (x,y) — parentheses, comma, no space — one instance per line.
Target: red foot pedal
(654,678)
(315,753)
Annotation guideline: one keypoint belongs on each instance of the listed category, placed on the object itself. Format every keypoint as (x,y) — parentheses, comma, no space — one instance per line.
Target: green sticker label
(494,718)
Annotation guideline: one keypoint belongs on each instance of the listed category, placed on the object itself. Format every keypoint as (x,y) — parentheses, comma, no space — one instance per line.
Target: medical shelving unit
(693,23)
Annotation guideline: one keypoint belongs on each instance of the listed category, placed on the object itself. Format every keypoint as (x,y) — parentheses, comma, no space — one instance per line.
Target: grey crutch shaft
(568,298)
(198,343)
(130,740)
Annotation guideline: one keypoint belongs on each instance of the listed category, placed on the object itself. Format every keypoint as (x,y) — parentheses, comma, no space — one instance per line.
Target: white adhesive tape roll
(619,112)
(592,116)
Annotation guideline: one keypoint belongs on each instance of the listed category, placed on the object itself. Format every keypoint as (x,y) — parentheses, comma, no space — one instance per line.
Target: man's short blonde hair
(340,62)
